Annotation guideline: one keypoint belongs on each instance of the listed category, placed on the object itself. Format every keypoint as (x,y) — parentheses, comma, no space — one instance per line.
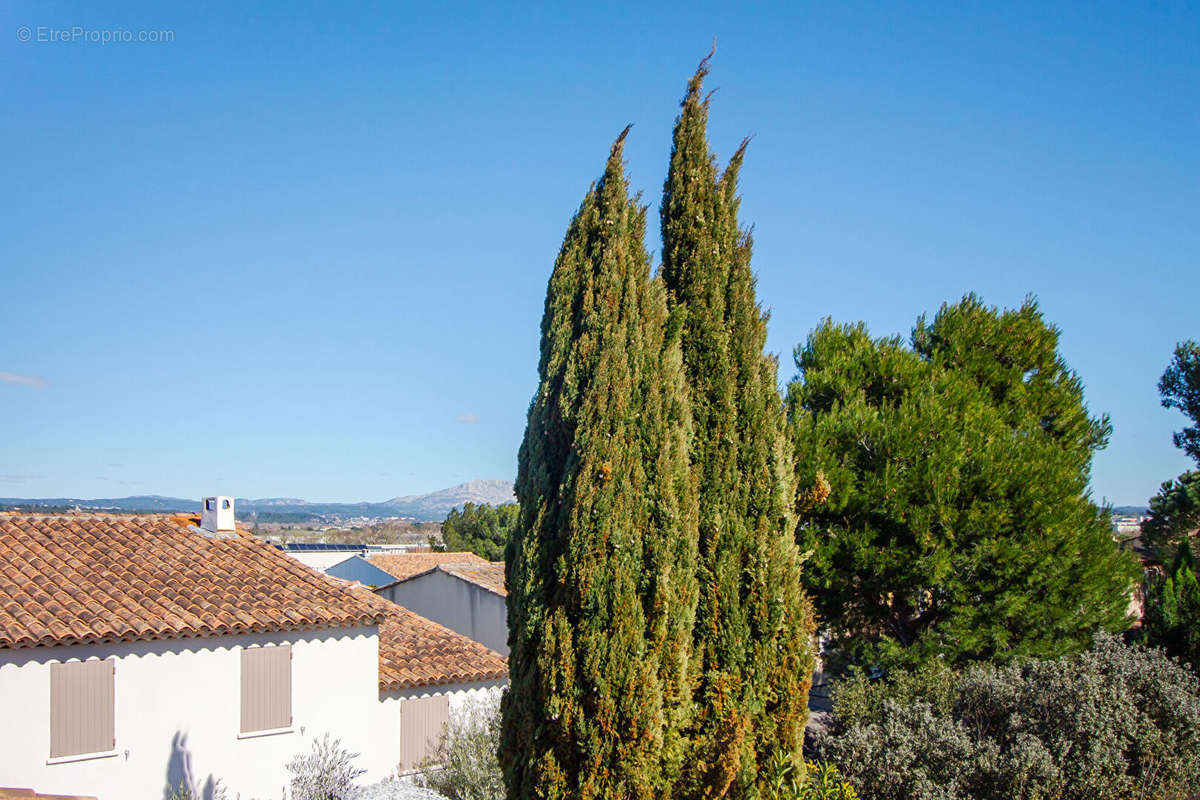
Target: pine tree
(1174,515)
(753,625)
(956,523)
(481,529)
(1179,388)
(600,569)
(1175,510)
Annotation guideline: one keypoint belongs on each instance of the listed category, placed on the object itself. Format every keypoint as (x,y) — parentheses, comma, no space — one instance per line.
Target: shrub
(211,790)
(860,699)
(825,782)
(1113,722)
(466,766)
(787,779)
(324,774)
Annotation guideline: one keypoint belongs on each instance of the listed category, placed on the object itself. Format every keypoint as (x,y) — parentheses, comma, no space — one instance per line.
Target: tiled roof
(488,575)
(29,794)
(415,651)
(405,565)
(71,579)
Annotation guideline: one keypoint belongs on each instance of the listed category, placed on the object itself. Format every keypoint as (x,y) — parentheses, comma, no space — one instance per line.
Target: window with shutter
(422,723)
(266,688)
(82,708)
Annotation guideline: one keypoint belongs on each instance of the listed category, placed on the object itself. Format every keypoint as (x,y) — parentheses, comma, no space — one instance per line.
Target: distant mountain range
(431,507)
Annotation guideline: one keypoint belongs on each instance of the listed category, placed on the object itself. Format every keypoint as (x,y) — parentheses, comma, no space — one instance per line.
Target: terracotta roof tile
(405,565)
(489,575)
(100,577)
(415,651)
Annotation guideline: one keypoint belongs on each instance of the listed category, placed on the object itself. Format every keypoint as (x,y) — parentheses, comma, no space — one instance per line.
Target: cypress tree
(753,633)
(600,569)
(1173,609)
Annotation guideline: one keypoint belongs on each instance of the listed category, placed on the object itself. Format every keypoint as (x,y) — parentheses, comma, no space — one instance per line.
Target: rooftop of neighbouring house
(82,578)
(415,651)
(406,565)
(358,569)
(489,575)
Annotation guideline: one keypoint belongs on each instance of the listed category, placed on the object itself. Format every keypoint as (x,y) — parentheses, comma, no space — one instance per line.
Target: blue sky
(302,250)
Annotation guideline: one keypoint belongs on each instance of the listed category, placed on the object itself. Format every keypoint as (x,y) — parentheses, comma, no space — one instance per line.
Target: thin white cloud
(22,380)
(469,419)
(20,478)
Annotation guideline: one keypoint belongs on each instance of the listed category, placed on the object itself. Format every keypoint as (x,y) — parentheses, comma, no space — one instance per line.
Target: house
(466,596)
(360,570)
(405,565)
(141,651)
(428,674)
(319,555)
(323,555)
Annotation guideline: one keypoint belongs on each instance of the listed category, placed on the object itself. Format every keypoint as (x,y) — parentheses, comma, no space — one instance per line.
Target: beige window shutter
(266,688)
(82,708)
(422,722)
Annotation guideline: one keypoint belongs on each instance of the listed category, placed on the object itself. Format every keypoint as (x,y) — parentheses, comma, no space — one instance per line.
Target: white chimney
(217,514)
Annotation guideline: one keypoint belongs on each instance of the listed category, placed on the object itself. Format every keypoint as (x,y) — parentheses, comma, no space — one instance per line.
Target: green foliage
(1113,722)
(825,782)
(1179,388)
(783,775)
(944,496)
(753,626)
(753,632)
(465,765)
(1174,513)
(1173,609)
(601,566)
(860,699)
(481,529)
(1173,600)
(790,779)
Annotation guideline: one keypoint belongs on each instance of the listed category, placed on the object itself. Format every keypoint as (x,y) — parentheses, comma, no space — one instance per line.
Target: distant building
(466,596)
(321,556)
(1129,537)
(360,570)
(406,564)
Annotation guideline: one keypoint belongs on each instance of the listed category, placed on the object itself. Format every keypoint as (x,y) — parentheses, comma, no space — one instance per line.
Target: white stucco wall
(460,605)
(178,708)
(460,694)
(461,697)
